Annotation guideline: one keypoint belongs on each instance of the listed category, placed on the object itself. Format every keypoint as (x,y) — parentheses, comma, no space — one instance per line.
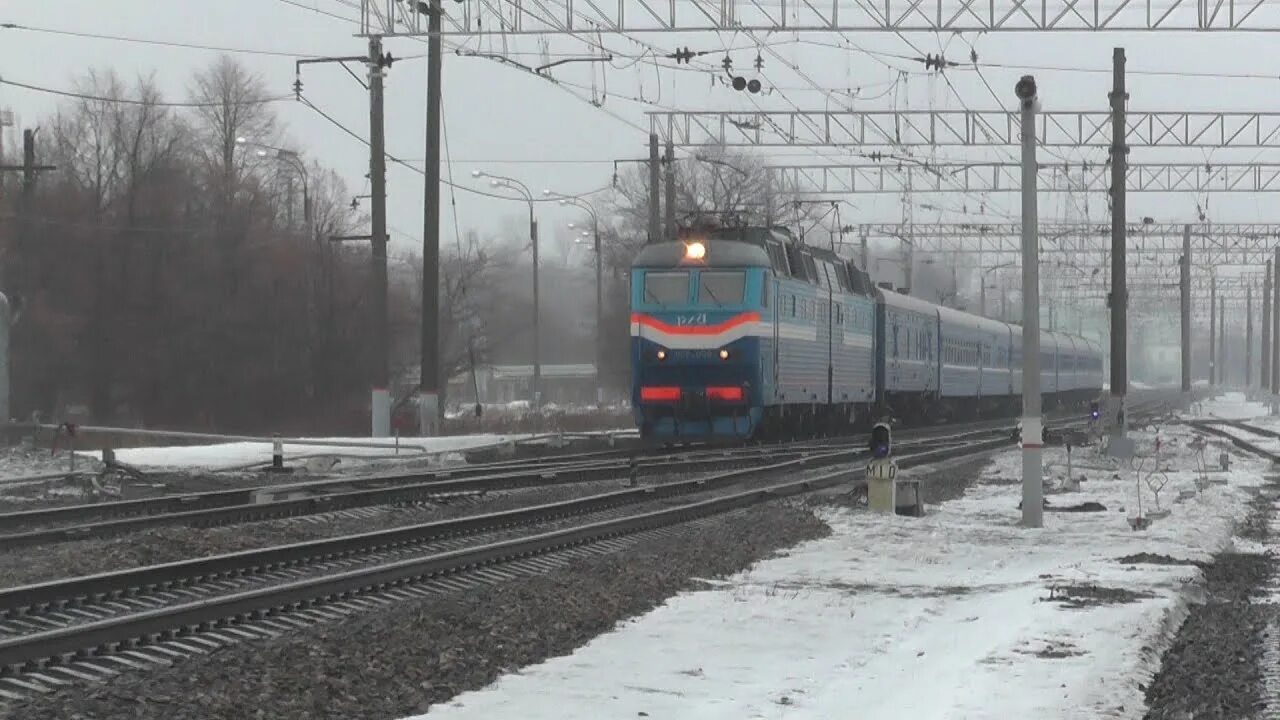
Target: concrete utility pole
(1275,328)
(671,193)
(537,313)
(380,377)
(1184,286)
(655,192)
(429,409)
(595,227)
(1119,291)
(6,120)
(1222,343)
(768,199)
(863,249)
(1248,337)
(1032,436)
(1213,331)
(1264,352)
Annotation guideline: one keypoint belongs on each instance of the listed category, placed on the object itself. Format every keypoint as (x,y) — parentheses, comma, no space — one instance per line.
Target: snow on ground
(244,453)
(25,461)
(1231,406)
(946,616)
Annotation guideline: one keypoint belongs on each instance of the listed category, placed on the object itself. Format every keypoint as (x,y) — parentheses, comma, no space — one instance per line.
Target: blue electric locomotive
(744,332)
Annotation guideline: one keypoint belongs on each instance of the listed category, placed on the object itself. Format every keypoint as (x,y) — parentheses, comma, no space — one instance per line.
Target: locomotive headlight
(724,354)
(695,250)
(662,354)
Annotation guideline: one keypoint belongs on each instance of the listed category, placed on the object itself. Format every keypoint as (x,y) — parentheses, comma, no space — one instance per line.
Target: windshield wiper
(649,296)
(713,295)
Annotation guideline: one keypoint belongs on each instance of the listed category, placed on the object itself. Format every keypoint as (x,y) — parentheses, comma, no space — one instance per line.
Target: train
(748,333)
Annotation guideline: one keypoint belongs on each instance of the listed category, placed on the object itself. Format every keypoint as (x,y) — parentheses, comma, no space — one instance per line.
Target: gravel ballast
(1214,669)
(170,544)
(398,662)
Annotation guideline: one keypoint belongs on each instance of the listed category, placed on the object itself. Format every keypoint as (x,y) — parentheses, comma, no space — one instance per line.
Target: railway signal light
(1094,411)
(881,441)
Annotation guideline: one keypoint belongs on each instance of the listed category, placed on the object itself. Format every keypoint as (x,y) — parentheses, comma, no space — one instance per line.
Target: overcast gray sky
(506,120)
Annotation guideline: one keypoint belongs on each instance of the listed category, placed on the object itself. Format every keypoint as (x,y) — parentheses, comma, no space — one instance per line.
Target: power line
(131,101)
(163,43)
(453,192)
(321,12)
(420,171)
(556,82)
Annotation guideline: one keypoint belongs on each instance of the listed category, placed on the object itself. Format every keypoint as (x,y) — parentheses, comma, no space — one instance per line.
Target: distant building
(562,384)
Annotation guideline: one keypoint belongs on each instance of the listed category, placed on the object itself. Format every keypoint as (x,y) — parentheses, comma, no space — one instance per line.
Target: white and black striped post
(277,454)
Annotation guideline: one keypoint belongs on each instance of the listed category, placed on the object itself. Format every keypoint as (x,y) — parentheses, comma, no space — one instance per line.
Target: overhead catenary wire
(153,41)
(364,141)
(134,101)
(556,82)
(453,191)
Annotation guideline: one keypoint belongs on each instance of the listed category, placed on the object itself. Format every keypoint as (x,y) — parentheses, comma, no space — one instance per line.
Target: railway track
(30,528)
(92,627)
(16,604)
(1250,438)
(225,507)
(86,628)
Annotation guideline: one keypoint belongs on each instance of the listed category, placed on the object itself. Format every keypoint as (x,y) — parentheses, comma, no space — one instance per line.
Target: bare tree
(714,186)
(231,104)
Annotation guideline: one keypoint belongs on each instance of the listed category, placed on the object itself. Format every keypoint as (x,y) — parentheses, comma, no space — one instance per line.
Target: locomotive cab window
(778,257)
(721,287)
(666,288)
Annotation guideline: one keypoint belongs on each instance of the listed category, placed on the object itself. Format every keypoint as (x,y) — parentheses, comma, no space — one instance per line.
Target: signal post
(882,472)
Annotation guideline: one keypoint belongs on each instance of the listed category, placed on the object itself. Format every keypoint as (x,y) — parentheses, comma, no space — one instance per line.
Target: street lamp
(566,200)
(293,160)
(513,184)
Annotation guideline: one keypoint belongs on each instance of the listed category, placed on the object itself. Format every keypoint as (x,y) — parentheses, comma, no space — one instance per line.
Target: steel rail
(181,502)
(334,501)
(1211,427)
(17,601)
(31,651)
(222,507)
